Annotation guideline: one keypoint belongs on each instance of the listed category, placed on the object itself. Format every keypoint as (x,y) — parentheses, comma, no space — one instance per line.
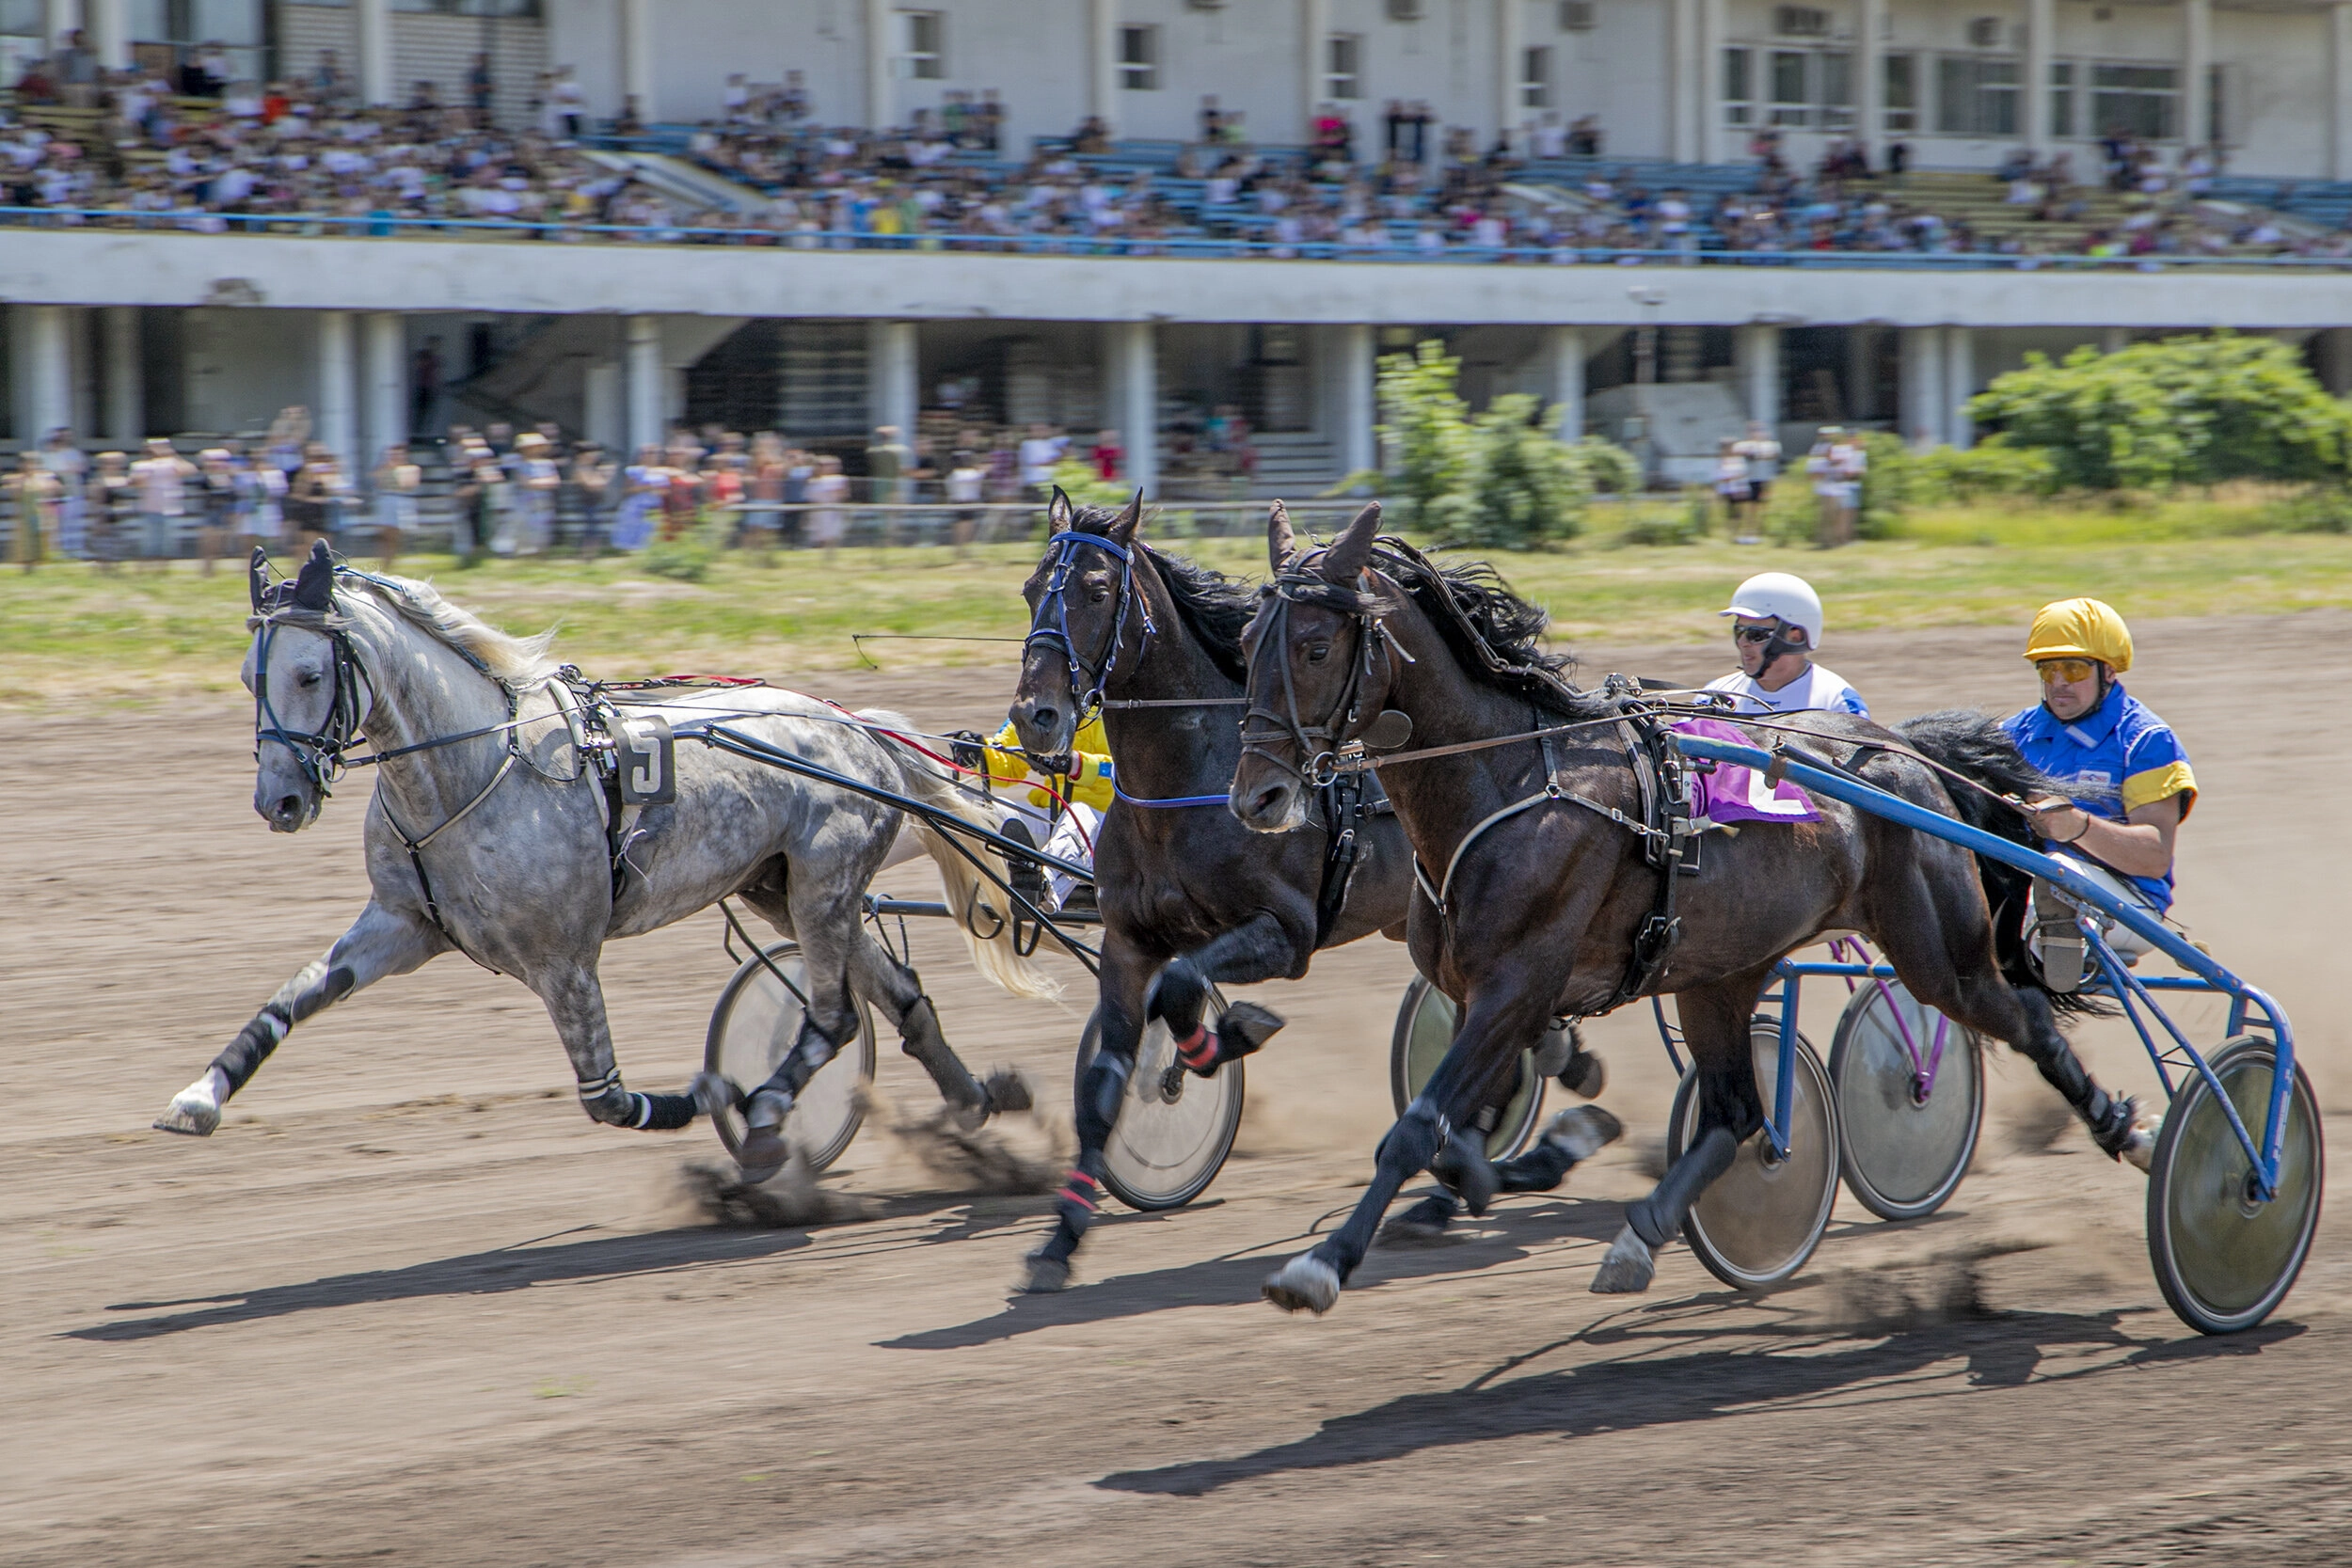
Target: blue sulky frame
(2249,1007)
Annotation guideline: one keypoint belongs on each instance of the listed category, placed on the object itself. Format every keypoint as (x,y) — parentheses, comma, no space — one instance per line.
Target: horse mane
(502,655)
(1213,607)
(1496,635)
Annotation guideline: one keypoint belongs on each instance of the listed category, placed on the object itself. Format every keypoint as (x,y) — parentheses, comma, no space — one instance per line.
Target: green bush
(2189,410)
(688,558)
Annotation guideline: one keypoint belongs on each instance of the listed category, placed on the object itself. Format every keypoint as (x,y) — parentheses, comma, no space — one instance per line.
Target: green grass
(69,636)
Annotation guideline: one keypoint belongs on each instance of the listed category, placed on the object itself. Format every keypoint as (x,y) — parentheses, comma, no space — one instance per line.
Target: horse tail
(970,893)
(1974,745)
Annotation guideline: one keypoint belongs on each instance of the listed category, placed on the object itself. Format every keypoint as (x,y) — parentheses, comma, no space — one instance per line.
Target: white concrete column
(1922,412)
(1714,28)
(375,29)
(383,384)
(44,361)
(1134,403)
(1960,384)
(1682,65)
(57,19)
(1354,402)
(2114,339)
(2040,46)
(1315,44)
(1510,43)
(125,418)
(2340,91)
(2196,71)
(109,22)
(637,60)
(878,41)
(1563,380)
(1862,378)
(1757,348)
(1869,75)
(648,391)
(336,423)
(1103,62)
(603,409)
(893,392)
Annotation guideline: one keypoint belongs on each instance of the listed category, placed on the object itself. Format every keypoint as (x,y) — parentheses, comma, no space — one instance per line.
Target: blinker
(1387,732)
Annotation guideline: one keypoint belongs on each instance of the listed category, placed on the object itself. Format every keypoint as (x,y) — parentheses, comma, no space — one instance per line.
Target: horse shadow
(1711,1380)
(1506,1233)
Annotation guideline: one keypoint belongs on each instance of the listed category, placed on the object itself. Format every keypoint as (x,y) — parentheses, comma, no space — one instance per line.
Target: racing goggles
(2066,672)
(1756,636)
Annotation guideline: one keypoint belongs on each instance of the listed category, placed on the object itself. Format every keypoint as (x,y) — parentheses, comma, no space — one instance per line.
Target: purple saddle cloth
(1735,794)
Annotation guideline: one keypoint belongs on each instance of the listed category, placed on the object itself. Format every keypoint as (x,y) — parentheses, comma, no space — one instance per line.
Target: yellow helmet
(2080,628)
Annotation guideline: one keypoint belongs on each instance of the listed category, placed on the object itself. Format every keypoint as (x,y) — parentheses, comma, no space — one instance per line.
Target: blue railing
(1178,247)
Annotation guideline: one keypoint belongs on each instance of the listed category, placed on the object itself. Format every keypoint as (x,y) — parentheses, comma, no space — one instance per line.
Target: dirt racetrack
(409,1306)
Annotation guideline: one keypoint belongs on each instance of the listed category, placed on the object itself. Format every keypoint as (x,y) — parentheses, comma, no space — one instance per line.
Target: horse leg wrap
(245,1055)
(1656,1217)
(812,1047)
(1462,1164)
(607,1101)
(1179,994)
(1080,1197)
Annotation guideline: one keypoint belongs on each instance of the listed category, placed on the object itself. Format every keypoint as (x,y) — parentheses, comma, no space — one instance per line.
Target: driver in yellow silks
(1034,817)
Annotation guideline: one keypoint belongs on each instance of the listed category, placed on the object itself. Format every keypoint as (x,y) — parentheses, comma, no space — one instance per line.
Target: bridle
(1050,623)
(320,753)
(1320,745)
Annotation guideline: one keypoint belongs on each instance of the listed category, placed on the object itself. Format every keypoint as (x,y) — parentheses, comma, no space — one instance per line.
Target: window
(1139,58)
(1791,104)
(923,45)
(1342,76)
(1535,79)
(1800,22)
(1975,96)
(1576,16)
(2062,98)
(1739,89)
(2137,100)
(1404,11)
(1900,84)
(1834,90)
(1984,32)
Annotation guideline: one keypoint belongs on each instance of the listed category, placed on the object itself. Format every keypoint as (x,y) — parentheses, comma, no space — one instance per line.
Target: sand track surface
(409,1306)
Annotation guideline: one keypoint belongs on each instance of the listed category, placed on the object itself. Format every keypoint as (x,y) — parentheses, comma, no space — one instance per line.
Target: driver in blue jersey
(2127,779)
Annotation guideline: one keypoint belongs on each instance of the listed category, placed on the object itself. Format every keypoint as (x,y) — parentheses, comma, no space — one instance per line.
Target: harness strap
(1342,813)
(416,850)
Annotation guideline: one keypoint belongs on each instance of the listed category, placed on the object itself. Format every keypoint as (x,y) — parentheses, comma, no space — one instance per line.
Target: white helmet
(1784,597)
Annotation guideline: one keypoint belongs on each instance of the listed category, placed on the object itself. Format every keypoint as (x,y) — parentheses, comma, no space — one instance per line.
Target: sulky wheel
(1904,1153)
(752,1026)
(1761,1219)
(2223,1259)
(1166,1147)
(1424,1028)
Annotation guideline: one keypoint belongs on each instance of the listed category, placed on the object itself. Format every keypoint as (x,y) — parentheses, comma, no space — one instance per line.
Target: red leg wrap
(1197,1050)
(1083,1199)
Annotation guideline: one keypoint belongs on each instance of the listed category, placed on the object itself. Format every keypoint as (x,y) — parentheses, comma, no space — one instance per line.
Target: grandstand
(1186,216)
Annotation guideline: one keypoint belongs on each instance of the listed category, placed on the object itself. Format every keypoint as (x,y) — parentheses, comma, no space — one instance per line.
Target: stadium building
(2018,175)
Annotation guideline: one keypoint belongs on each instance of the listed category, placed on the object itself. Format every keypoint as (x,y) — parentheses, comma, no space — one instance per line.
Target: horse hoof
(2140,1148)
(191,1113)
(1007,1090)
(1584,1076)
(1047,1276)
(1628,1268)
(1424,1225)
(712,1094)
(1305,1282)
(763,1153)
(1583,1131)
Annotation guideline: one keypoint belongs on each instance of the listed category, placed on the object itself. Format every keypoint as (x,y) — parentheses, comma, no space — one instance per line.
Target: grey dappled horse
(512,866)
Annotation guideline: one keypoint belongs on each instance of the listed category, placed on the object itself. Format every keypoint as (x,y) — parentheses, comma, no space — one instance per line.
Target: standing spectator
(1731,480)
(538,478)
(62,456)
(964,481)
(681,497)
(163,478)
(216,478)
(424,387)
(592,495)
(642,487)
(398,481)
(481,90)
(1211,118)
(34,489)
(1762,454)
(267,519)
(316,495)
(1837,464)
(113,496)
(886,461)
(827,491)
(763,496)
(75,67)
(1110,458)
(1039,453)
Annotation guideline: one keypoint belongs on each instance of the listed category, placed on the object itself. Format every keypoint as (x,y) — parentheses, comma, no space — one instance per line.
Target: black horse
(1539,887)
(1188,898)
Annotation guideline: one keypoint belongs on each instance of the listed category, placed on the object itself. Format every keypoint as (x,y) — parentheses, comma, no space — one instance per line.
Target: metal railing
(1108,247)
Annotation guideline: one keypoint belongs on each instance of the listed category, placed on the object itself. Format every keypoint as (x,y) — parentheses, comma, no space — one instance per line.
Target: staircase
(1981,202)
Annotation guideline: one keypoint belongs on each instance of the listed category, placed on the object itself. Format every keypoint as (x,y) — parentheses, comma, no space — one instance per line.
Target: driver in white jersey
(1776,627)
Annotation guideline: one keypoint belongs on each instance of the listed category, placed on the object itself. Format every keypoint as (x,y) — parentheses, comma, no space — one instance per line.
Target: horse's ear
(1128,523)
(1348,556)
(314,589)
(1280,543)
(257,577)
(1057,515)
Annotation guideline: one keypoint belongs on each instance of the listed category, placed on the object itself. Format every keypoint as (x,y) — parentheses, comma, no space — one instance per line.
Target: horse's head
(1317,675)
(308,697)
(1083,620)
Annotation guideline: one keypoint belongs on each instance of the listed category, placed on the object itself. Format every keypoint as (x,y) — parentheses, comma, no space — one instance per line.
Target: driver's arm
(2140,845)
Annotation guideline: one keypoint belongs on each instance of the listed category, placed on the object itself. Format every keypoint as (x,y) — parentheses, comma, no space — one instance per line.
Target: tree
(2189,410)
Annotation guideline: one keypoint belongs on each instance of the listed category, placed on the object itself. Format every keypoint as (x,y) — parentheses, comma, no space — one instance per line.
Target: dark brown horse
(1542,905)
(1188,898)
